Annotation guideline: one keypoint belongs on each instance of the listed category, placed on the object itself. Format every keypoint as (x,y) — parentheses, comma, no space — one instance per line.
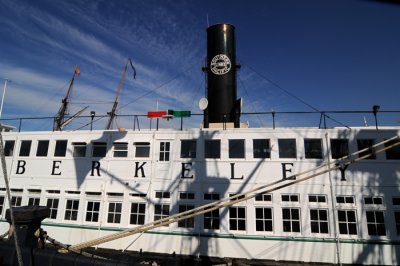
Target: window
(347,222)
(211,196)
(1,204)
(187,223)
(138,213)
(71,210)
(212,148)
(396,200)
(363,144)
(163,195)
(161,211)
(313,148)
(99,149)
(394,152)
(261,148)
(287,148)
(396,219)
(142,149)
(114,212)
(186,195)
(373,200)
(319,221)
(79,149)
(236,148)
(264,219)
(164,151)
(188,148)
(345,199)
(291,219)
(120,149)
(211,219)
(16,201)
(339,148)
(52,204)
(25,148)
(264,197)
(290,198)
(42,148)
(9,148)
(61,148)
(237,218)
(375,223)
(92,211)
(33,201)
(236,198)
(317,198)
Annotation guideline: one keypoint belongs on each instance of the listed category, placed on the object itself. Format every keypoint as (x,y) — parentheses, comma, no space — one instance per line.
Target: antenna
(208,23)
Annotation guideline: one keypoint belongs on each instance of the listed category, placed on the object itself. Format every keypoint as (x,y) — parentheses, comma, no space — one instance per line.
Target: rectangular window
(163,195)
(42,148)
(291,219)
(79,149)
(394,152)
(99,149)
(61,148)
(71,210)
(317,198)
(16,201)
(1,204)
(25,148)
(164,151)
(120,149)
(290,198)
(261,148)
(138,213)
(92,211)
(237,218)
(142,149)
(347,222)
(345,199)
(313,148)
(9,148)
(161,211)
(287,148)
(52,204)
(236,148)
(211,196)
(186,195)
(396,200)
(263,197)
(375,223)
(364,144)
(339,148)
(212,148)
(373,200)
(319,221)
(33,201)
(396,219)
(211,219)
(264,220)
(236,198)
(188,148)
(114,212)
(187,223)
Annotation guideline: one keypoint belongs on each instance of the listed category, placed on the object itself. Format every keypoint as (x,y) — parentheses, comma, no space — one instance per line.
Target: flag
(77,71)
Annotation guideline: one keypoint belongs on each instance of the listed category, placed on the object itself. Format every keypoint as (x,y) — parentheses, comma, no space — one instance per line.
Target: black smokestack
(223,106)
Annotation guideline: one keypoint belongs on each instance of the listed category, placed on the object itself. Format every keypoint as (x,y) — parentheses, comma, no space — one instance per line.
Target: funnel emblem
(220,64)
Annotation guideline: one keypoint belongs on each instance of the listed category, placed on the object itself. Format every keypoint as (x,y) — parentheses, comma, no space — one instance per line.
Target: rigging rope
(337,164)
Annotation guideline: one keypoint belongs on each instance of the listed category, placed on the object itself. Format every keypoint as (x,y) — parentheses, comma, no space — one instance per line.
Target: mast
(112,114)
(59,119)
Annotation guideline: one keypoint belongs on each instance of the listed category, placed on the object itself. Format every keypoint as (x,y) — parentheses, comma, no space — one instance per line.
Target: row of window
(264,221)
(313,148)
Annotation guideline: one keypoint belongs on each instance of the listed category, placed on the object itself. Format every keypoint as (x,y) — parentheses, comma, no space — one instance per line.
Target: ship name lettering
(286,170)
(186,169)
(233,172)
(139,167)
(56,165)
(20,167)
(95,166)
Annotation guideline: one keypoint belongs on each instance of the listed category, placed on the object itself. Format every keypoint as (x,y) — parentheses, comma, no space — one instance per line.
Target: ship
(223,189)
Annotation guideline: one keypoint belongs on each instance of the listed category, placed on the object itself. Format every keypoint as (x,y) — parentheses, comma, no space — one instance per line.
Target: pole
(2,98)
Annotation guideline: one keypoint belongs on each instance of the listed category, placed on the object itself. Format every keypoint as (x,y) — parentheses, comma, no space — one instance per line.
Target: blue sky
(333,55)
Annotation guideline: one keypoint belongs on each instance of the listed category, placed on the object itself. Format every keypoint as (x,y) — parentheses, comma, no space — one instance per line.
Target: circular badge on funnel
(220,64)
